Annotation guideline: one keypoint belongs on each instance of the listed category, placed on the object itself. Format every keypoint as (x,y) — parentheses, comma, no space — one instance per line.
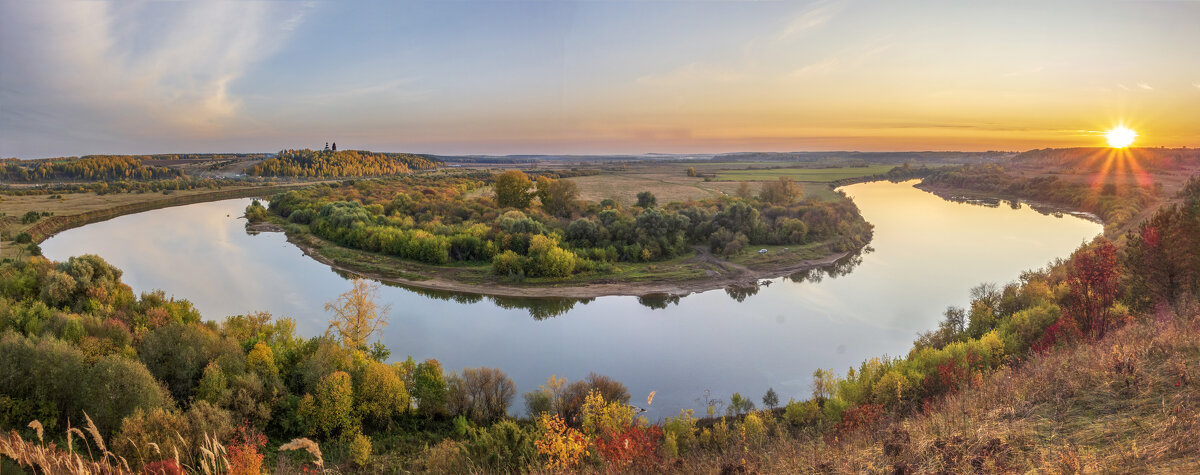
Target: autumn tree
(330,411)
(512,189)
(381,393)
(691,171)
(356,316)
(557,195)
(743,191)
(781,192)
(1093,279)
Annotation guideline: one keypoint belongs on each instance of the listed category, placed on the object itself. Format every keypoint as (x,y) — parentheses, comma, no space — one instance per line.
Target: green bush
(116,387)
(502,448)
(429,388)
(508,263)
(178,353)
(331,409)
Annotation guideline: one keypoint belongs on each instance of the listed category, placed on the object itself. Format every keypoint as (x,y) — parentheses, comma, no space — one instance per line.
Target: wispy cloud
(841,61)
(814,15)
(1145,86)
(141,69)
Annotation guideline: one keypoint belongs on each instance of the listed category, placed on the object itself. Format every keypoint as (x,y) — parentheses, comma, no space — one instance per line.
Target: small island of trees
(539,227)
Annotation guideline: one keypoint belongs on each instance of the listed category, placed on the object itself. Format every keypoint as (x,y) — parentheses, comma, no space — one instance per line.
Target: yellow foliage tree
(356,316)
(562,446)
(602,417)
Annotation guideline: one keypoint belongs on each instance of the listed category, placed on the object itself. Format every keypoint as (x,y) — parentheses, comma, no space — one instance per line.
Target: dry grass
(669,182)
(308,446)
(666,186)
(48,458)
(1129,403)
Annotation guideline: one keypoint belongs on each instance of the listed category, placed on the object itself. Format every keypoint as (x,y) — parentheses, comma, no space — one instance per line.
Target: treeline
(123,186)
(900,173)
(341,163)
(1115,205)
(541,229)
(88,168)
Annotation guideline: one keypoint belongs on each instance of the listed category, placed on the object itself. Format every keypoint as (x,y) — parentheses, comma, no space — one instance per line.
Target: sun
(1120,136)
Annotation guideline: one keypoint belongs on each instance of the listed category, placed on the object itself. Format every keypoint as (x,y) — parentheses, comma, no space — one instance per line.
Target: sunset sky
(593,77)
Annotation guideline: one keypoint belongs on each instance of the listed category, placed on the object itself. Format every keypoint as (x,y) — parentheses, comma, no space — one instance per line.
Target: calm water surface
(927,254)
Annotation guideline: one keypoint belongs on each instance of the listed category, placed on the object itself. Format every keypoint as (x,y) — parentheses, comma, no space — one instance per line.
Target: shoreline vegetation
(1015,382)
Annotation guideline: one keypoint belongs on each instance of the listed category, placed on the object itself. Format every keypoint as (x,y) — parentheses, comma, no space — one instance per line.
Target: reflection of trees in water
(739,292)
(447,295)
(837,269)
(540,308)
(658,301)
(1043,209)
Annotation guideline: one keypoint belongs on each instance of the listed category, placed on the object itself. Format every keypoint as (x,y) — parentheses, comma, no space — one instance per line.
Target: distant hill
(1097,158)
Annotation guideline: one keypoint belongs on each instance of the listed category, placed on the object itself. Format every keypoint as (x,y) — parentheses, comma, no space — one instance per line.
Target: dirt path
(731,270)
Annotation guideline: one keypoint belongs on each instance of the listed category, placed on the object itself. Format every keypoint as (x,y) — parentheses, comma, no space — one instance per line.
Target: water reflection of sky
(927,254)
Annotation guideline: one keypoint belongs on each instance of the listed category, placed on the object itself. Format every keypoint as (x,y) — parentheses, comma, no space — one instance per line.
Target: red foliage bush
(1094,280)
(952,374)
(244,457)
(634,446)
(163,467)
(1062,331)
(858,417)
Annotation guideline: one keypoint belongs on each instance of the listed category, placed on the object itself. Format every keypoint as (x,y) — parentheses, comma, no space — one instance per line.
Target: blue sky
(592,77)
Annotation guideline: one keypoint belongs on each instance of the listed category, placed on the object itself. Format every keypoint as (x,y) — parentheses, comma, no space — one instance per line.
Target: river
(926,255)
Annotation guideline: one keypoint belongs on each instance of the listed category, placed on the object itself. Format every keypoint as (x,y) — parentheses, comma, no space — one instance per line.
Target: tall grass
(46,457)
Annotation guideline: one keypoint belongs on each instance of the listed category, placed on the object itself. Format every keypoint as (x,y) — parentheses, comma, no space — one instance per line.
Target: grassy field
(777,255)
(669,181)
(818,175)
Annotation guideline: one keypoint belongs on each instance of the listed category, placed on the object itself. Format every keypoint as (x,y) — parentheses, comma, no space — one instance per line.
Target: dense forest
(540,228)
(80,352)
(88,168)
(343,163)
